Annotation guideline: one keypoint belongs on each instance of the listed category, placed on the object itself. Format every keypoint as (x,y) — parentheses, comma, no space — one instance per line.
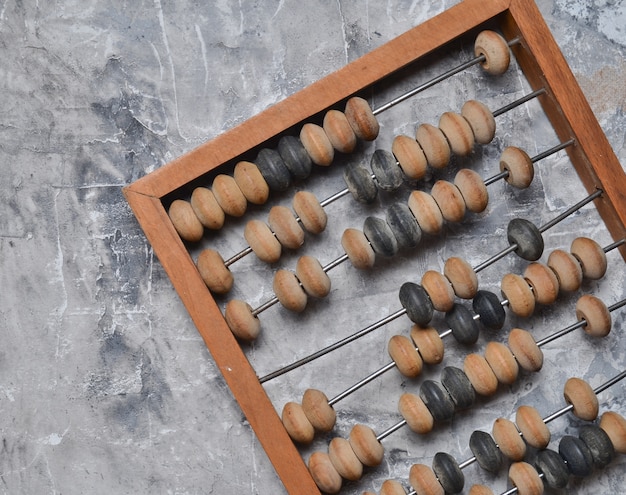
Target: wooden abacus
(544,68)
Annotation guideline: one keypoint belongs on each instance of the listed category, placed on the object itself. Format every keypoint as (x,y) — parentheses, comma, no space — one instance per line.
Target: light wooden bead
(429,344)
(229,196)
(526,478)
(480,490)
(596,315)
(480,374)
(462,277)
(591,257)
(262,241)
(532,427)
(434,144)
(614,426)
(544,283)
(285,226)
(567,270)
(207,209)
(362,119)
(458,133)
(439,290)
(358,248)
(402,352)
(311,213)
(423,480)
(317,144)
(185,221)
(519,165)
(251,182)
(216,275)
(473,190)
(320,413)
(449,199)
(288,291)
(339,131)
(297,424)
(324,473)
(426,212)
(502,361)
(414,411)
(391,487)
(365,445)
(525,349)
(496,51)
(344,459)
(517,291)
(241,321)
(509,441)
(314,279)
(410,156)
(581,396)
(480,120)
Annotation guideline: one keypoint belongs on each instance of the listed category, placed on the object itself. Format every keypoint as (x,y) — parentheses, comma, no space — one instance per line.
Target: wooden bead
(317,409)
(207,209)
(509,441)
(519,166)
(480,374)
(424,481)
(532,427)
(410,156)
(185,221)
(463,325)
(360,183)
(358,249)
(414,411)
(241,321)
(448,472)
(429,344)
(389,176)
(310,211)
(217,277)
(596,315)
(496,51)
(324,473)
(402,352)
(317,144)
(458,133)
(273,169)
(457,384)
(365,445)
(576,455)
(295,158)
(262,241)
(480,490)
(402,223)
(599,444)
(543,281)
(517,291)
(312,276)
(553,468)
(526,237)
(487,453)
(525,349)
(391,487)
(296,423)
(439,290)
(251,182)
(502,361)
(344,459)
(525,478)
(434,144)
(426,212)
(288,291)
(462,277)
(362,119)
(567,270)
(581,396)
(473,190)
(487,305)
(481,120)
(449,200)
(614,425)
(591,257)
(229,196)
(414,299)
(437,400)
(339,132)
(285,226)
(380,236)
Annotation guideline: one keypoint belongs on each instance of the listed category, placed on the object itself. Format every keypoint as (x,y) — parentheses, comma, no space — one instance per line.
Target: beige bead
(414,411)
(614,426)
(217,277)
(241,321)
(339,132)
(508,439)
(496,51)
(410,156)
(526,478)
(567,270)
(439,289)
(458,133)
(344,459)
(596,315)
(462,277)
(296,423)
(426,212)
(581,396)
(185,221)
(480,374)
(314,279)
(317,144)
(324,473)
(310,211)
(288,291)
(285,226)
(429,344)
(473,190)
(317,409)
(481,120)
(402,352)
(516,290)
(534,430)
(591,257)
(502,361)
(358,249)
(391,487)
(525,349)
(423,480)
(207,209)
(480,490)
(251,182)
(434,144)
(543,281)
(449,199)
(519,165)
(362,119)
(262,241)
(365,445)
(229,196)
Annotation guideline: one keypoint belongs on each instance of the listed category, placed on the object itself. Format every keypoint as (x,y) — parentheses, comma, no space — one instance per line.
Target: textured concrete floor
(105,385)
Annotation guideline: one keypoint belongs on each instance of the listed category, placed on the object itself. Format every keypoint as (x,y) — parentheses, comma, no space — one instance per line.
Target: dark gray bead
(360,183)
(418,305)
(487,305)
(577,455)
(553,467)
(527,237)
(380,236)
(387,171)
(448,473)
(599,444)
(296,158)
(486,451)
(273,169)
(437,400)
(403,225)
(456,382)
(463,325)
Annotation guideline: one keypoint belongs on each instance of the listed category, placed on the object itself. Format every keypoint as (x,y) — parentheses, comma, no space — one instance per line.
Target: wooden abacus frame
(543,65)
